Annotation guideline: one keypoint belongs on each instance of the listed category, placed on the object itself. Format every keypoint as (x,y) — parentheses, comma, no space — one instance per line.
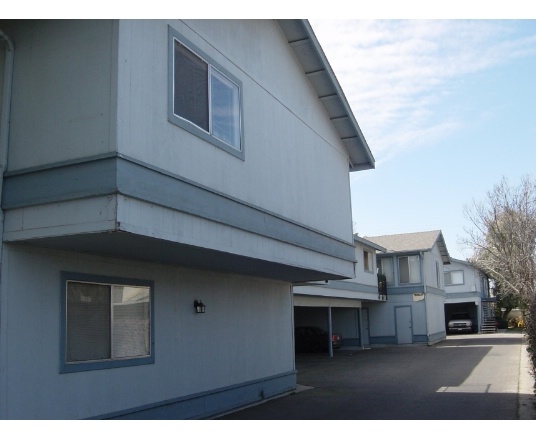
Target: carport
(334,315)
(464,306)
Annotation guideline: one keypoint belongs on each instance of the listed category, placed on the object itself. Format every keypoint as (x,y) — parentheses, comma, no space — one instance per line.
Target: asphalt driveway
(472,377)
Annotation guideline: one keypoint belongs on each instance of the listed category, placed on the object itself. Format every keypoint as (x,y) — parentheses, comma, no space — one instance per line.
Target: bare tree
(502,237)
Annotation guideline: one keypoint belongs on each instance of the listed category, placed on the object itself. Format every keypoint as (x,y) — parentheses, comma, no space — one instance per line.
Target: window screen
(107,321)
(454,277)
(191,87)
(386,268)
(409,270)
(88,322)
(131,325)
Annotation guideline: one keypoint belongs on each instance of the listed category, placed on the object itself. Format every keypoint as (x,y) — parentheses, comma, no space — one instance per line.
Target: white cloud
(395,73)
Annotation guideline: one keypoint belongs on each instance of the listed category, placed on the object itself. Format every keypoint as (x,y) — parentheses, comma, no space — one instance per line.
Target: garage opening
(344,322)
(455,310)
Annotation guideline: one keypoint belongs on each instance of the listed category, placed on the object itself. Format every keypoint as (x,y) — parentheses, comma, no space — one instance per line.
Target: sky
(448,107)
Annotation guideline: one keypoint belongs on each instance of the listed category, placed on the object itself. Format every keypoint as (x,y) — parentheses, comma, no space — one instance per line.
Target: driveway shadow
(461,378)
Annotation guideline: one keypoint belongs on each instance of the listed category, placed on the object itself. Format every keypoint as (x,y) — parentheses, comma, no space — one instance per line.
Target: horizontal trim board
(325,301)
(65,182)
(409,290)
(475,301)
(122,175)
(468,295)
(352,287)
(211,403)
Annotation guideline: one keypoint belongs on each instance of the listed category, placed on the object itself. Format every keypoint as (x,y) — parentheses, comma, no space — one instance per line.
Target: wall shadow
(399,383)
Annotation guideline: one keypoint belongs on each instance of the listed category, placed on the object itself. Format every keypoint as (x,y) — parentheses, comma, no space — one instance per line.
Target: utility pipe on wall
(6,109)
(4,141)
(4,128)
(423,272)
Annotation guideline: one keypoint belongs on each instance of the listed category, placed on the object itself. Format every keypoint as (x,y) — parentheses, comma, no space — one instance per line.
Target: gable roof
(302,40)
(413,242)
(369,243)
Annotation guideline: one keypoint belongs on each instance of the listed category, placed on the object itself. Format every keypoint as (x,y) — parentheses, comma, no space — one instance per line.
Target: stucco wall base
(212,403)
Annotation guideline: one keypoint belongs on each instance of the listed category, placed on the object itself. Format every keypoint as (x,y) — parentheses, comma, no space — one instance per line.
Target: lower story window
(108,323)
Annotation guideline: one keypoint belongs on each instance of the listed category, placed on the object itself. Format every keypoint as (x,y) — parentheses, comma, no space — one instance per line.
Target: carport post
(360,320)
(330,334)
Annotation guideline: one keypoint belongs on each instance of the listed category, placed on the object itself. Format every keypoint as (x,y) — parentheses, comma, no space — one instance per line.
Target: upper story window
(454,277)
(367,261)
(438,274)
(206,99)
(409,269)
(106,323)
(385,267)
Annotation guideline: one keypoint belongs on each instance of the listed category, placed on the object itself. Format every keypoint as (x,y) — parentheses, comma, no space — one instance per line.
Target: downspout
(423,271)
(4,125)
(292,324)
(4,143)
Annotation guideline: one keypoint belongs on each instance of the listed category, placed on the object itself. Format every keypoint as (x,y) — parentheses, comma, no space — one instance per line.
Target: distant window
(385,267)
(367,261)
(409,269)
(106,324)
(454,277)
(438,274)
(206,99)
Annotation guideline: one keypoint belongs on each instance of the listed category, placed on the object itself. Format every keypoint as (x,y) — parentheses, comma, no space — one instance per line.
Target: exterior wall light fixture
(199,306)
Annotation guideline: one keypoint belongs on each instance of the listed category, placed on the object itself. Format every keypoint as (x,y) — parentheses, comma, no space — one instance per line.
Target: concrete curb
(526,397)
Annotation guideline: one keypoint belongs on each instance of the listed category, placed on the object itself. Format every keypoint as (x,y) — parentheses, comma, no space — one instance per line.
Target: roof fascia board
(369,162)
(369,243)
(403,253)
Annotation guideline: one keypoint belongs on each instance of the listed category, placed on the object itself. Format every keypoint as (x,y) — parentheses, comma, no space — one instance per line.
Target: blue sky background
(448,107)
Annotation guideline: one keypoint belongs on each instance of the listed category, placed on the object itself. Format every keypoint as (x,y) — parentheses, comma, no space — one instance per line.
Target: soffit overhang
(307,49)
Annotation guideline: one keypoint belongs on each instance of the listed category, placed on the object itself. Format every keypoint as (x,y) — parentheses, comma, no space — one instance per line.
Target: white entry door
(404,327)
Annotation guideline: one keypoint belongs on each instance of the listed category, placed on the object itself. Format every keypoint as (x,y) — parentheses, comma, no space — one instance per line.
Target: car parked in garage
(460,322)
(314,339)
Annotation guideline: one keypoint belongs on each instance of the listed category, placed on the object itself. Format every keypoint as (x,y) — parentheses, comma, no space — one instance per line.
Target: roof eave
(309,53)
(369,243)
(442,245)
